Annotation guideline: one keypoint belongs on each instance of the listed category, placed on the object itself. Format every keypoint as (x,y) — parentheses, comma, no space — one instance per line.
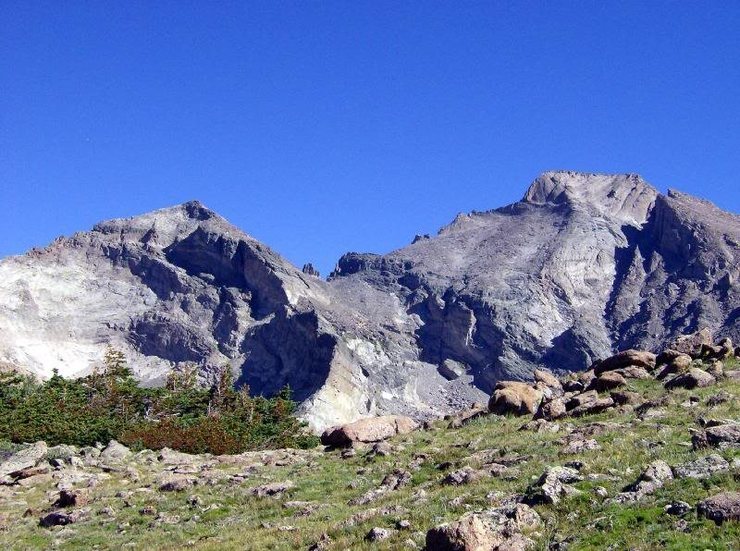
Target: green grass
(240,521)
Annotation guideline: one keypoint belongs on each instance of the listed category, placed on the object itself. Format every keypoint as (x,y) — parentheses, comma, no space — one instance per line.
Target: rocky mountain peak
(627,197)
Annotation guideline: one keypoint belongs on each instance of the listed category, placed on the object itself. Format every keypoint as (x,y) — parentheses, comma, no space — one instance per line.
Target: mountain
(583,265)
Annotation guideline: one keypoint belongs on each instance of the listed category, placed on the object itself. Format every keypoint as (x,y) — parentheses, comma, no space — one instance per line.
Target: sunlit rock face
(583,265)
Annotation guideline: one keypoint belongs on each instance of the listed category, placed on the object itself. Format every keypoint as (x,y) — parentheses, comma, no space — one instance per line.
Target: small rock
(626,397)
(378,534)
(176,483)
(580,446)
(272,490)
(601,491)
(651,479)
(403,524)
(552,486)
(678,508)
(72,498)
(466,475)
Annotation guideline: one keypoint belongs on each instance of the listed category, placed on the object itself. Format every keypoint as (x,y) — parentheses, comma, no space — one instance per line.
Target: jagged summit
(583,265)
(625,196)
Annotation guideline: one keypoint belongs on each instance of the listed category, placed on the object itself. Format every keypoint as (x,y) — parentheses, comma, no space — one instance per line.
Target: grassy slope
(240,521)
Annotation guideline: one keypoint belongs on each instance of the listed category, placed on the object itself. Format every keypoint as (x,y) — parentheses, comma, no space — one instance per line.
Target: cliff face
(583,265)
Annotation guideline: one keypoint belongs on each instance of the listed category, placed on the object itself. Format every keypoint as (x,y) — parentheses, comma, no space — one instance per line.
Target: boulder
(608,381)
(667,356)
(115,451)
(580,445)
(626,358)
(547,378)
(679,364)
(693,378)
(721,507)
(464,417)
(726,348)
(514,397)
(703,467)
(554,409)
(626,398)
(655,475)
(718,436)
(633,372)
(466,475)
(716,369)
(591,408)
(72,498)
(581,399)
(691,344)
(176,483)
(168,456)
(451,370)
(501,528)
(371,429)
(552,486)
(23,459)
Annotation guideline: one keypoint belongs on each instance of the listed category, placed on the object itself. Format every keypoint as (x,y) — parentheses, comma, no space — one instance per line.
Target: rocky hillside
(642,452)
(584,265)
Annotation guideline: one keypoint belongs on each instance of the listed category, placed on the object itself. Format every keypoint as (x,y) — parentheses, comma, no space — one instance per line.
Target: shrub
(109,404)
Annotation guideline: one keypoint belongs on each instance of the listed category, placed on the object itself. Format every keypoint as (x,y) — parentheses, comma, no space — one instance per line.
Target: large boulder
(703,467)
(691,344)
(608,381)
(719,436)
(554,409)
(115,451)
(720,507)
(23,459)
(548,379)
(693,378)
(514,397)
(371,429)
(677,364)
(500,528)
(626,358)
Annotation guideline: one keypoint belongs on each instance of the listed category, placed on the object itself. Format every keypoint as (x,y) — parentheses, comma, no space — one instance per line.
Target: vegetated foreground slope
(659,471)
(583,265)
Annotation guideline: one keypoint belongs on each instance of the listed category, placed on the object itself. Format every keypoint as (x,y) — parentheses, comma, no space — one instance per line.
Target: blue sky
(325,127)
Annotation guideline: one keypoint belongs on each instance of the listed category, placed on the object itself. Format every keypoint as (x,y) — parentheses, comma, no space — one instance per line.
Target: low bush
(109,404)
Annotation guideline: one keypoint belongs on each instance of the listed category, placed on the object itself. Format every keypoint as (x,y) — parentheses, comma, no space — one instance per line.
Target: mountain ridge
(582,265)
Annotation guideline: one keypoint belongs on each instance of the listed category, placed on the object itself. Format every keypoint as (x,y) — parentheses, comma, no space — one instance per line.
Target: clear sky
(324,127)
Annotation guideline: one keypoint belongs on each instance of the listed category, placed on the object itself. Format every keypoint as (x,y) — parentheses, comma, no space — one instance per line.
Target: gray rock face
(584,265)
